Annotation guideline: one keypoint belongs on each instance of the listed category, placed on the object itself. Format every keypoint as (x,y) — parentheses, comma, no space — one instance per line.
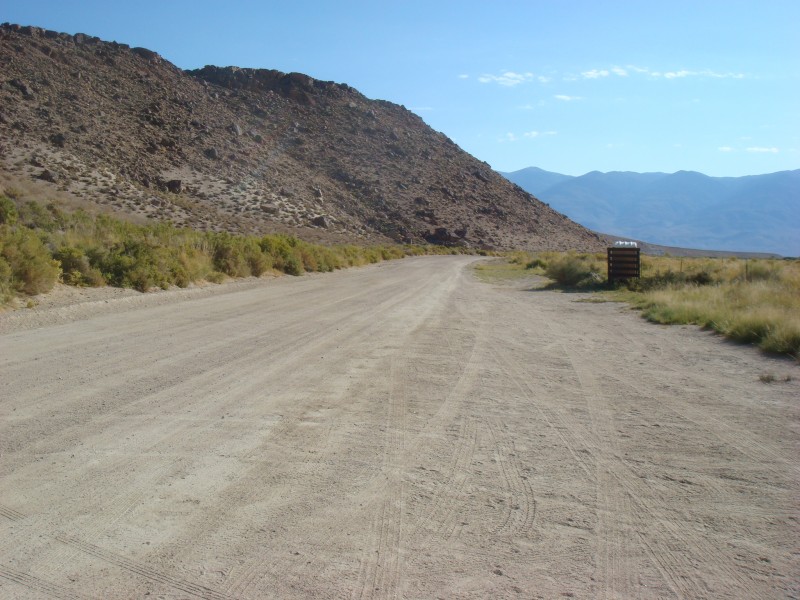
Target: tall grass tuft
(753,301)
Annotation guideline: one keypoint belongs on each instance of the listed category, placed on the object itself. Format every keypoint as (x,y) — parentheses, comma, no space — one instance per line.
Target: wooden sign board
(623,263)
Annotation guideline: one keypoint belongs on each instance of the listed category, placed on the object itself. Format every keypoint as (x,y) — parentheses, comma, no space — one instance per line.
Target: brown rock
(48,175)
(174,186)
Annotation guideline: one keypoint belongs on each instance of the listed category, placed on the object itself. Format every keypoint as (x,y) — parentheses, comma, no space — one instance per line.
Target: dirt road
(397,431)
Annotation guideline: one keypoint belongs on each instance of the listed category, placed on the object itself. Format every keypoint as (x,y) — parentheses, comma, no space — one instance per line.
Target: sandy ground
(397,431)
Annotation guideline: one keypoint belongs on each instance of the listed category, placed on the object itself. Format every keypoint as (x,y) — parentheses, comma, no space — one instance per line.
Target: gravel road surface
(396,431)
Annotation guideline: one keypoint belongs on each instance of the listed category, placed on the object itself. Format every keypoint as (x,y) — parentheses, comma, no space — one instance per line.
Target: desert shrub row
(41,244)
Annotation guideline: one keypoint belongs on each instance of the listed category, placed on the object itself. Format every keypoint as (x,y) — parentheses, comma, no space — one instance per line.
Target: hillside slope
(249,150)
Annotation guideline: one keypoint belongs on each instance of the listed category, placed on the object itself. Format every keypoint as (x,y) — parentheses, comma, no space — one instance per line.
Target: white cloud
(509,78)
(513,78)
(722,75)
(595,74)
(725,149)
(512,137)
(761,149)
(566,98)
(463,76)
(678,74)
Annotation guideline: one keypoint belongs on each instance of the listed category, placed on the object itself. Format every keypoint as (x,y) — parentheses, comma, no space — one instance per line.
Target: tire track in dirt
(567,432)
(733,435)
(520,505)
(622,493)
(10,513)
(382,573)
(615,543)
(443,513)
(122,503)
(142,570)
(38,584)
(360,334)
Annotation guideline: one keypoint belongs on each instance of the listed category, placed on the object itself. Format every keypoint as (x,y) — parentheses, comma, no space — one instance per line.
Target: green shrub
(6,284)
(76,269)
(8,212)
(229,257)
(284,253)
(536,263)
(32,268)
(573,270)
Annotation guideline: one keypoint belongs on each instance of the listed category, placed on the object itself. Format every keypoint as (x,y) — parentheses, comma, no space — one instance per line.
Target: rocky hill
(248,150)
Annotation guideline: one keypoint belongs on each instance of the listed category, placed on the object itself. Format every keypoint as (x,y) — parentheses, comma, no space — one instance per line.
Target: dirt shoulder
(400,430)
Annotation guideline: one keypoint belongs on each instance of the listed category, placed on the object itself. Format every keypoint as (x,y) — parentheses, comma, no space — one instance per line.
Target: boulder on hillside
(442,237)
(321,221)
(48,175)
(174,186)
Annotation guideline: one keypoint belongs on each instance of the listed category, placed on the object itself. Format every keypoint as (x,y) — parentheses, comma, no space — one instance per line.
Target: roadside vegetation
(43,244)
(750,301)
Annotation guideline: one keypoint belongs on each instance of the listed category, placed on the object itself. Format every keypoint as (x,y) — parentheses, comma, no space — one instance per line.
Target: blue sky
(566,85)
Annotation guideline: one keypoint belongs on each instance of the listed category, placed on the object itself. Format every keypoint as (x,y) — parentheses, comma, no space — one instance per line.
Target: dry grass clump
(752,301)
(766,313)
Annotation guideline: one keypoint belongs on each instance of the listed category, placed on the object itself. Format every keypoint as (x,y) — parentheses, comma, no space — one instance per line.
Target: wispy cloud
(565,98)
(677,74)
(513,137)
(535,134)
(514,78)
(683,73)
(762,149)
(595,74)
(509,78)
(670,74)
(463,76)
(725,149)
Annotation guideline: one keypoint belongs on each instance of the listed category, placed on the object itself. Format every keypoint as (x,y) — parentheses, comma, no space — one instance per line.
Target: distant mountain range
(758,213)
